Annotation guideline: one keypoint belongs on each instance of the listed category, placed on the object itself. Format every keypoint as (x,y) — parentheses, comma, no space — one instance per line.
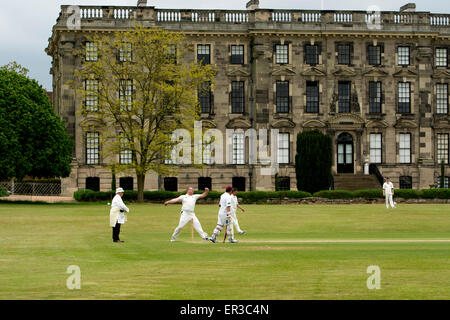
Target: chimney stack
(252,5)
(410,7)
(142,3)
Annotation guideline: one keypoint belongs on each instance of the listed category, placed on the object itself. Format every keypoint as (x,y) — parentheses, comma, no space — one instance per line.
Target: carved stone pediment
(344,72)
(238,123)
(377,124)
(91,122)
(283,123)
(441,74)
(442,124)
(403,123)
(347,121)
(284,71)
(208,124)
(238,72)
(375,72)
(405,73)
(314,124)
(313,72)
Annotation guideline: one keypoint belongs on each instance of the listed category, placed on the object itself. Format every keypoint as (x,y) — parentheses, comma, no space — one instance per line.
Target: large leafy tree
(33,140)
(313,161)
(145,89)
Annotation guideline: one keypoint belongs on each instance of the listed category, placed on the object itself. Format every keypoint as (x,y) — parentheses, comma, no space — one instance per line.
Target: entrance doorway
(345,159)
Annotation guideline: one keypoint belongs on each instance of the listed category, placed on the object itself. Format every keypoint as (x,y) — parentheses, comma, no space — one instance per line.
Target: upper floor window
(441,57)
(282,96)
(204,53)
(204,97)
(125,52)
(405,148)
(374,55)
(374,97)
(375,148)
(92,148)
(312,54)
(442,98)
(172,53)
(91,51)
(282,54)
(404,97)
(237,97)
(312,97)
(126,155)
(237,54)
(126,95)
(283,148)
(344,95)
(442,148)
(403,56)
(238,148)
(344,54)
(91,88)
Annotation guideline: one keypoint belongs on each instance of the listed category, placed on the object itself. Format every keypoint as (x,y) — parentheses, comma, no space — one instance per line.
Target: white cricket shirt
(189,202)
(225,201)
(388,187)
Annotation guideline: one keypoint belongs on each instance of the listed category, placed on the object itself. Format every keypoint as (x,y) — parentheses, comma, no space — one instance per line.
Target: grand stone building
(378,83)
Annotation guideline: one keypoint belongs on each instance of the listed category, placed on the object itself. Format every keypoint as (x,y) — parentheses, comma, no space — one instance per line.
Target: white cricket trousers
(185,218)
(389,200)
(235,221)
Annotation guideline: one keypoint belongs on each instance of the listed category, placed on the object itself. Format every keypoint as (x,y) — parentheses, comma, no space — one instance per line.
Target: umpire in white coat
(117,215)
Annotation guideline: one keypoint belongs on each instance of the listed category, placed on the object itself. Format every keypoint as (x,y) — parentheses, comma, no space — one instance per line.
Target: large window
(446,183)
(282,54)
(91,102)
(283,148)
(126,94)
(204,53)
(204,182)
(312,97)
(441,57)
(91,51)
(125,155)
(172,53)
(312,54)
(93,183)
(125,52)
(442,148)
(374,97)
(171,184)
(237,97)
(127,183)
(92,148)
(405,148)
(344,96)
(204,97)
(404,97)
(283,96)
(442,98)
(239,183)
(405,182)
(374,55)
(344,54)
(403,56)
(238,148)
(376,154)
(237,54)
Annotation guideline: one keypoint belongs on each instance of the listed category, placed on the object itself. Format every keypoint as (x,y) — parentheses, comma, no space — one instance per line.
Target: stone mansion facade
(378,83)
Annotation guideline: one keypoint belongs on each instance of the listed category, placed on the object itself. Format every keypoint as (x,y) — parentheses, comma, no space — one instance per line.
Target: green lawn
(39,242)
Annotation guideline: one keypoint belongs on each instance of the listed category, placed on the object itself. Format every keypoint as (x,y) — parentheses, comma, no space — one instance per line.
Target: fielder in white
(187,212)
(224,217)
(388,192)
(234,220)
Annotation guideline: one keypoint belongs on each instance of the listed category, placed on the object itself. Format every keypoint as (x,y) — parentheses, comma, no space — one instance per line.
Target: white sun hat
(119,190)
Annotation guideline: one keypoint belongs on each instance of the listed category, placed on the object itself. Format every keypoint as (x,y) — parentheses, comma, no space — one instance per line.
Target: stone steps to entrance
(355,182)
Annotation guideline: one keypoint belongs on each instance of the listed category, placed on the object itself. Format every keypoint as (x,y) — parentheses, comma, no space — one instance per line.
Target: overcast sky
(26,25)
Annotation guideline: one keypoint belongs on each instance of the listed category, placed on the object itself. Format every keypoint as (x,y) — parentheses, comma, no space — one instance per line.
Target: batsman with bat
(187,212)
(224,218)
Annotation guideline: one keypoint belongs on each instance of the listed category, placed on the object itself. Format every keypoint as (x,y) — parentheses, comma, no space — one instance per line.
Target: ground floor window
(284,184)
(171,184)
(127,183)
(446,182)
(93,183)
(239,183)
(204,182)
(405,182)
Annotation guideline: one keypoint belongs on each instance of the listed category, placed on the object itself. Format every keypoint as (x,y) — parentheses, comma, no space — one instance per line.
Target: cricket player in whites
(388,192)
(234,205)
(224,218)
(188,213)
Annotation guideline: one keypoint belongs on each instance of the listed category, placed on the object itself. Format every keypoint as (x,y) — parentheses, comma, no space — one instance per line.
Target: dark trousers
(116,232)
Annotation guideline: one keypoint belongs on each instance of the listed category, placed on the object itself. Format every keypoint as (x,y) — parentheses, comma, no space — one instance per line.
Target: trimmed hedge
(262,196)
(3,193)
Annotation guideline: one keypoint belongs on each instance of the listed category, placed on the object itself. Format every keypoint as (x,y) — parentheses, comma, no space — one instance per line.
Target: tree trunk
(140,185)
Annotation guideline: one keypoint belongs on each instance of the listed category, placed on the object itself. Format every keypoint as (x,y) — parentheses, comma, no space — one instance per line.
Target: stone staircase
(354,182)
